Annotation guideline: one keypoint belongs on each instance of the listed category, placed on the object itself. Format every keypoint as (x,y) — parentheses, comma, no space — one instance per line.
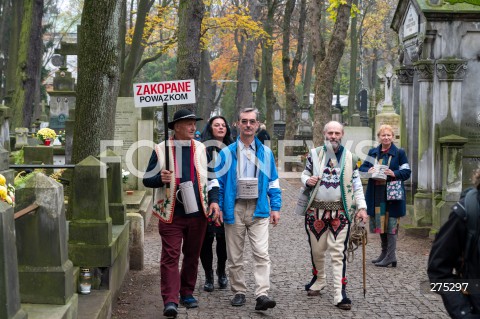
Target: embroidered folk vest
(164,200)
(346,180)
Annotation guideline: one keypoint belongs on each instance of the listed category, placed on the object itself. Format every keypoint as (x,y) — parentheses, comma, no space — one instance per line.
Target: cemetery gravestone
(363,106)
(130,129)
(62,99)
(5,127)
(388,115)
(440,42)
(10,307)
(21,134)
(46,273)
(127,119)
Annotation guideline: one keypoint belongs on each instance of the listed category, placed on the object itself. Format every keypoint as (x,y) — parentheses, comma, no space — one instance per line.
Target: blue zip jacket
(268,184)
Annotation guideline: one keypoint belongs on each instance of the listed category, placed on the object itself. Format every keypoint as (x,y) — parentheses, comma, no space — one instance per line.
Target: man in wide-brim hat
(187,164)
(181,115)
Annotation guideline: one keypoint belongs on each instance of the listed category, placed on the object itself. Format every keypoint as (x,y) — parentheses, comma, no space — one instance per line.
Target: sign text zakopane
(157,93)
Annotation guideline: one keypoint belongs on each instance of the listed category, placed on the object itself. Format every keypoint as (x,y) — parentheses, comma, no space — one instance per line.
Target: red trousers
(191,231)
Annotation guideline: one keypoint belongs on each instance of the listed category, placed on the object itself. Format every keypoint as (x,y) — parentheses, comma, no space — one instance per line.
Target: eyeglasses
(245,122)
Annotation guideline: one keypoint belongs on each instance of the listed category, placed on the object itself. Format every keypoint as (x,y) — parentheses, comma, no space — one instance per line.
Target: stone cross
(65,49)
(388,76)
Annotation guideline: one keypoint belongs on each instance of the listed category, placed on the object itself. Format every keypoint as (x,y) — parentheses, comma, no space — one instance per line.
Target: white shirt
(247,159)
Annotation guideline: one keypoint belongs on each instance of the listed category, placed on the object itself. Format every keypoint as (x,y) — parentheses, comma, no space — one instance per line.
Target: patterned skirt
(381,223)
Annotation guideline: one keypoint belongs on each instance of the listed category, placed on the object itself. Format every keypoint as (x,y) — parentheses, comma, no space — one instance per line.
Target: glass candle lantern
(85,281)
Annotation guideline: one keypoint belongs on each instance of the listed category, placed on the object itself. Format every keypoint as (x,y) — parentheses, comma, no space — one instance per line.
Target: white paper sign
(170,92)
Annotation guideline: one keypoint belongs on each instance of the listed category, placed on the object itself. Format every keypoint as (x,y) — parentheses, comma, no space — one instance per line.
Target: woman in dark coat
(385,214)
(216,135)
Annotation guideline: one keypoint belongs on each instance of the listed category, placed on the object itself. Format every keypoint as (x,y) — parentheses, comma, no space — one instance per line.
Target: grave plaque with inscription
(59,109)
(126,131)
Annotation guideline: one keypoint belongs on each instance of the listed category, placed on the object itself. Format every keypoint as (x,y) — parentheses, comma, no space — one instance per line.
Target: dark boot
(391,257)
(222,279)
(383,237)
(208,281)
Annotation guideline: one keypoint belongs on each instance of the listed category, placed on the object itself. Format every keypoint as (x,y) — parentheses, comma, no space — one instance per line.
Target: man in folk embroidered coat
(336,198)
(188,163)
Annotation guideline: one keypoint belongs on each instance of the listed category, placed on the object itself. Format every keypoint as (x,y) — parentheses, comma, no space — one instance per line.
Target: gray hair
(248,110)
(330,123)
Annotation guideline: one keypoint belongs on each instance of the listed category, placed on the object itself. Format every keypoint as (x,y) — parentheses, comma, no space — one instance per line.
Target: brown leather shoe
(313,293)
(345,304)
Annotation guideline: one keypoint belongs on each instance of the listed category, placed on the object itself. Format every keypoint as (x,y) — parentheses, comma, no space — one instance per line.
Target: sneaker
(170,310)
(238,300)
(265,302)
(188,301)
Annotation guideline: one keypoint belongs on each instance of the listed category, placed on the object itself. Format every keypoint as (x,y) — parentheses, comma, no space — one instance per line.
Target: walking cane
(167,157)
(364,265)
(364,243)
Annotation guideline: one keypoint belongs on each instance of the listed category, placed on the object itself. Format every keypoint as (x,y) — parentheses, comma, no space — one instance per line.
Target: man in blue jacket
(247,174)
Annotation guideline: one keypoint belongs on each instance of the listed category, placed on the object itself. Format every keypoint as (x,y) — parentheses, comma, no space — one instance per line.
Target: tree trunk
(206,100)
(290,72)
(136,49)
(307,82)
(98,78)
(352,92)
(246,62)
(28,64)
(6,19)
(268,67)
(327,70)
(12,57)
(190,16)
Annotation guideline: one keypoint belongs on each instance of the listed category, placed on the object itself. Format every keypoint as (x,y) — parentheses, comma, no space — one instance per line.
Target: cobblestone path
(391,292)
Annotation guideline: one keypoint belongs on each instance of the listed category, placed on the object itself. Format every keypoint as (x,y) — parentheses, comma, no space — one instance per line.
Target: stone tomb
(94,241)
(9,283)
(439,77)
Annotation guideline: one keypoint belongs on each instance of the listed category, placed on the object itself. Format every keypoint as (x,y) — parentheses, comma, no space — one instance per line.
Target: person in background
(181,228)
(336,199)
(234,131)
(249,197)
(198,136)
(262,134)
(454,259)
(385,214)
(216,136)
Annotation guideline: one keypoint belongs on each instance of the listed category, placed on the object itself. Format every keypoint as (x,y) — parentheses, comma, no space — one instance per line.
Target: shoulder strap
(354,161)
(472,208)
(315,154)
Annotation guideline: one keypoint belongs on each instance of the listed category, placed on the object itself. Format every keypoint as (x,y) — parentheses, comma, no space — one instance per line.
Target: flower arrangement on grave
(7,191)
(46,134)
